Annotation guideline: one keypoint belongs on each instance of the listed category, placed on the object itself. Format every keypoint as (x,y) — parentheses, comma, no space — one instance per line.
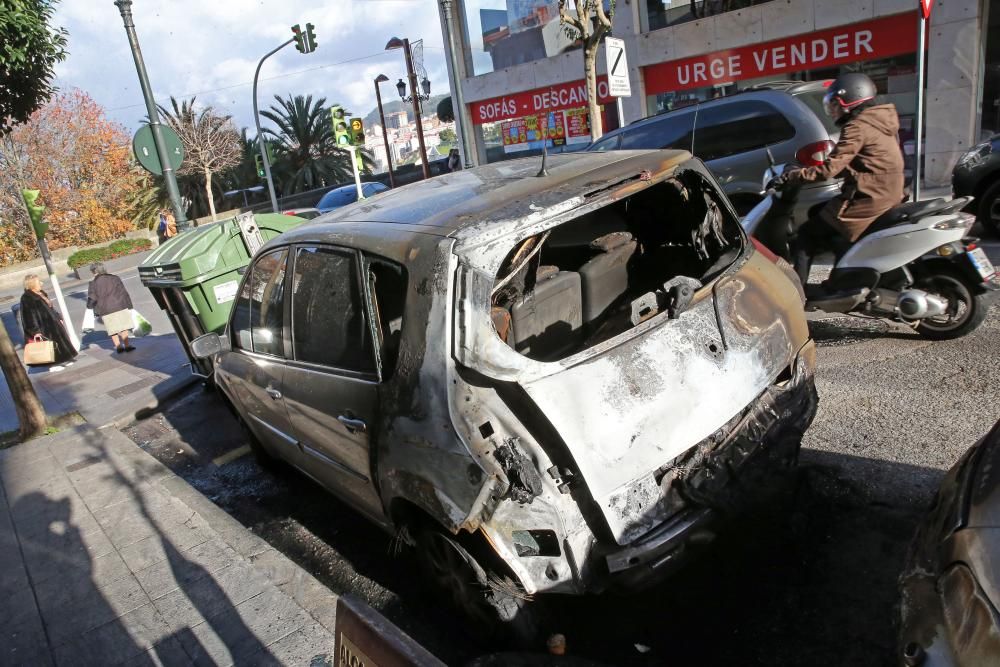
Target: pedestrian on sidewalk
(111,302)
(167,227)
(39,317)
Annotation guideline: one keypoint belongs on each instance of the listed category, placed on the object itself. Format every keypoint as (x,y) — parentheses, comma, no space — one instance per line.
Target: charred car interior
(596,276)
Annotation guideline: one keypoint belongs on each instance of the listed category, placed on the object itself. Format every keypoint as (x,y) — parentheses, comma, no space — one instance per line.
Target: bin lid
(203,252)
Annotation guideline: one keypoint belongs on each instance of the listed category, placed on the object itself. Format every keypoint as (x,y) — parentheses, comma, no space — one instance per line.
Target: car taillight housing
(813,155)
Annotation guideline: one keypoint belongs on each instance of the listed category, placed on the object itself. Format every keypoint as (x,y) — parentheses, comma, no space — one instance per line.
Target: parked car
(732,135)
(348,194)
(306,213)
(977,173)
(551,384)
(951,584)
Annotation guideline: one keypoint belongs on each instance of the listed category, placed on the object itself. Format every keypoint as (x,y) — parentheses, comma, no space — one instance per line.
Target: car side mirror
(209,345)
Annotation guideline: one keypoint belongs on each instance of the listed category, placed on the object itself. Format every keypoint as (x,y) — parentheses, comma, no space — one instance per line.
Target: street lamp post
(396,43)
(125,7)
(260,137)
(385,134)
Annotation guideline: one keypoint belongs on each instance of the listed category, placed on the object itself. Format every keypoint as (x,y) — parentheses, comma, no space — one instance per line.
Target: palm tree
(306,153)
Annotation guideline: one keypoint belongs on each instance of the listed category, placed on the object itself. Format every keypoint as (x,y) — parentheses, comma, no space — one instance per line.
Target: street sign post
(144,147)
(924,7)
(618,79)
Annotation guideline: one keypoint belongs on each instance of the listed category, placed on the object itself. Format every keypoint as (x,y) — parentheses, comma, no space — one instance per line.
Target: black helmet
(848,91)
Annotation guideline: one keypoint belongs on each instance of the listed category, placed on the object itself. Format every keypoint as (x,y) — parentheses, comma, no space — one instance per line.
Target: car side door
(332,380)
(252,371)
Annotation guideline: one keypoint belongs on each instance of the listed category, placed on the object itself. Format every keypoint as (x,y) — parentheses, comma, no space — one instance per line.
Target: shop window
(737,127)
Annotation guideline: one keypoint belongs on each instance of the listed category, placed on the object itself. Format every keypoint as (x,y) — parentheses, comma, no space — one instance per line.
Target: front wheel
(966,309)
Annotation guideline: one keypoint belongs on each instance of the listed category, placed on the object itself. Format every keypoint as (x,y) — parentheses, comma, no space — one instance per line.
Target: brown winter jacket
(869,159)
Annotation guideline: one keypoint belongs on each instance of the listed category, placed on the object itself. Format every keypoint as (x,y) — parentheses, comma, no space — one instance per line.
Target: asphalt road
(806,578)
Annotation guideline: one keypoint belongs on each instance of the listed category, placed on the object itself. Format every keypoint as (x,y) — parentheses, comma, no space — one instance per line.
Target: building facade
(683,51)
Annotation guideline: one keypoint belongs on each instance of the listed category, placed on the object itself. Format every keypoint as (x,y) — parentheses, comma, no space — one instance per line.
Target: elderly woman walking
(110,300)
(38,317)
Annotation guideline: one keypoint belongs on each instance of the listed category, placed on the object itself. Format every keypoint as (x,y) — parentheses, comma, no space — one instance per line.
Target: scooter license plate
(981,262)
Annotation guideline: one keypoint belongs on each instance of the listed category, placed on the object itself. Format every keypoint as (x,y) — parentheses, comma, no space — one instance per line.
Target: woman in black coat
(39,317)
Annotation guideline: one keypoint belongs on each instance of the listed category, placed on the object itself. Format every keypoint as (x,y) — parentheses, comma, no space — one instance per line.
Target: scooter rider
(869,159)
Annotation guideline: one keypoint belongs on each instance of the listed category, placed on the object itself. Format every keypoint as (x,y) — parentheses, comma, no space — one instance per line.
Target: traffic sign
(925,8)
(145,149)
(618,82)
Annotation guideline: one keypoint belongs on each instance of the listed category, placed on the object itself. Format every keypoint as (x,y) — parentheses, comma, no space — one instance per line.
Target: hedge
(119,248)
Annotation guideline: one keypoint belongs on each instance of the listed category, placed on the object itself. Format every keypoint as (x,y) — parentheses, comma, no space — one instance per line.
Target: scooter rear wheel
(966,309)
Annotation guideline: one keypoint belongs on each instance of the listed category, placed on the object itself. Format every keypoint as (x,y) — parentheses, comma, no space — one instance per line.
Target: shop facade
(522,77)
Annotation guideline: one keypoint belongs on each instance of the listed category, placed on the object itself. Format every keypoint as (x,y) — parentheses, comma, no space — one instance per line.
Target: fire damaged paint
(950,587)
(600,466)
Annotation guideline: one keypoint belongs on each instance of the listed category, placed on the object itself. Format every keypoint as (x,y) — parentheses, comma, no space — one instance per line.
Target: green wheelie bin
(195,275)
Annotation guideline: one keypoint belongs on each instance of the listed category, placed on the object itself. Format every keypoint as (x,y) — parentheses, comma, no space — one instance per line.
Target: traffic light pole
(260,137)
(354,167)
(125,7)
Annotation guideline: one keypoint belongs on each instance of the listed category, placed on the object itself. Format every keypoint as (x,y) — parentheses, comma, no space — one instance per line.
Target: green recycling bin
(195,275)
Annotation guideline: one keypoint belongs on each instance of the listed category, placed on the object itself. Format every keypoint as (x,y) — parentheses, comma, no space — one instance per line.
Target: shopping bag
(140,325)
(39,351)
(88,320)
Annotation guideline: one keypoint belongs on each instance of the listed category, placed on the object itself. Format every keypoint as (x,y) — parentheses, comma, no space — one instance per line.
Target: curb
(152,406)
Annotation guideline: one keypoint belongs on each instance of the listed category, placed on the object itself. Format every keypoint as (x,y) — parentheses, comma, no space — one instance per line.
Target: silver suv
(733,134)
(549,384)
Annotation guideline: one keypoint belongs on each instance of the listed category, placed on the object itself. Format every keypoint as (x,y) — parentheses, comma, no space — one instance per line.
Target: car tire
(956,289)
(988,209)
(495,606)
(263,457)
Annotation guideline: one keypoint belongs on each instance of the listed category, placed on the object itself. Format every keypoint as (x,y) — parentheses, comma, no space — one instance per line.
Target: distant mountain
(430,106)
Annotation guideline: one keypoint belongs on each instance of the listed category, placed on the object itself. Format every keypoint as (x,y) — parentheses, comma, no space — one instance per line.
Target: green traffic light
(310,37)
(299,43)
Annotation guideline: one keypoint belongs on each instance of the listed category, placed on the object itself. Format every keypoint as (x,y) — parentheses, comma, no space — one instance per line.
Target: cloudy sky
(210,48)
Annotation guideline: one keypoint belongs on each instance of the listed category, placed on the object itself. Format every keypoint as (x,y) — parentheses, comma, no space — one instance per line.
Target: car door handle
(273,393)
(353,425)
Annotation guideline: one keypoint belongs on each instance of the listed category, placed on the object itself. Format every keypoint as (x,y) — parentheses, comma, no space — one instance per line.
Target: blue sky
(211,47)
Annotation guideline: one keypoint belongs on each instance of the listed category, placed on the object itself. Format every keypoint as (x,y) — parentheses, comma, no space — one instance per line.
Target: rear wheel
(988,211)
(494,604)
(966,309)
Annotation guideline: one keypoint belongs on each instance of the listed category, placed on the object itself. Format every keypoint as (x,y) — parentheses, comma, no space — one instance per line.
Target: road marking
(231,456)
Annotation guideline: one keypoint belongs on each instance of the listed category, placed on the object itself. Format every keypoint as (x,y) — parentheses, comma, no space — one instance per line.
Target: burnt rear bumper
(736,464)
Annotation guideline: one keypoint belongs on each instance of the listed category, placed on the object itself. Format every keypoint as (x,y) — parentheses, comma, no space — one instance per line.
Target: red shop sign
(882,38)
(552,98)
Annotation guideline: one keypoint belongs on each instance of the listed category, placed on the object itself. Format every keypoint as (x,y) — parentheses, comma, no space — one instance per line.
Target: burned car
(950,604)
(551,381)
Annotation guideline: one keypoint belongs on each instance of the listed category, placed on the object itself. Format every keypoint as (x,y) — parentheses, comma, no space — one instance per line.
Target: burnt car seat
(545,319)
(604,277)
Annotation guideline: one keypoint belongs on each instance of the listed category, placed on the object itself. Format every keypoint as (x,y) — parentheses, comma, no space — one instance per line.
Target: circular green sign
(145,148)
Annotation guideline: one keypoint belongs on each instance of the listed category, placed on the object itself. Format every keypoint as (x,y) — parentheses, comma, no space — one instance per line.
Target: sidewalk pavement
(108,558)
(106,387)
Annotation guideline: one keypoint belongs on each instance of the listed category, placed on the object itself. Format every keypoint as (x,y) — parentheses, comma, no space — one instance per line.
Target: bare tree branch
(566,18)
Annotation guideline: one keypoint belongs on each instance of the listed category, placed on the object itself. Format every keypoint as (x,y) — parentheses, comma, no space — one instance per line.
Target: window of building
(656,14)
(259,311)
(329,325)
(737,127)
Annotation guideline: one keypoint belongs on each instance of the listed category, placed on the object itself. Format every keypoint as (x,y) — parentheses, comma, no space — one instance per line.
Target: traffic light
(357,132)
(300,44)
(341,133)
(35,211)
(310,38)
(259,161)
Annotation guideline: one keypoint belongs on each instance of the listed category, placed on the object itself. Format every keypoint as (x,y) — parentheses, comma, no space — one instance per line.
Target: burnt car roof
(501,191)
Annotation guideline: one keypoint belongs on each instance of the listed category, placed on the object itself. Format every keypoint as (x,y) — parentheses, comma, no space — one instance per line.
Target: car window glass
(387,283)
(259,311)
(666,132)
(606,144)
(338,197)
(814,100)
(737,127)
(329,325)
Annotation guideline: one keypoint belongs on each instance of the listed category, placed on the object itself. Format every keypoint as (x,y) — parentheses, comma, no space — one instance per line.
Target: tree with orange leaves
(82,163)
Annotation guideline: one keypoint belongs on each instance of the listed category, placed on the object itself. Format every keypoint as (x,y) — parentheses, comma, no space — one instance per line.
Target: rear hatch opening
(596,276)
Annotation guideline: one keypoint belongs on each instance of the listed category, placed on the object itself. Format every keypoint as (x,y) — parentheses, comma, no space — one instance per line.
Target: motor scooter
(915,264)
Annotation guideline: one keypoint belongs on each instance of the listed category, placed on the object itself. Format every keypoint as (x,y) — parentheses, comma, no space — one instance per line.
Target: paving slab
(108,558)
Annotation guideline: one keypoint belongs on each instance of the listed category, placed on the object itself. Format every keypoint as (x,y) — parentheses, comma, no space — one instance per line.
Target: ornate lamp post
(396,43)
(382,78)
